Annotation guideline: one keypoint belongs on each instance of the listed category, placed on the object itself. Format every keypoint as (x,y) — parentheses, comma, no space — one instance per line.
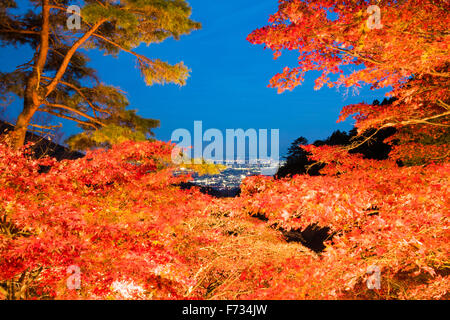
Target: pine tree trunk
(32,98)
(30,106)
(21,127)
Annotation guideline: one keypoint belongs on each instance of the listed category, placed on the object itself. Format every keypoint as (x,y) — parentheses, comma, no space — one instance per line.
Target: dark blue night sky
(228,83)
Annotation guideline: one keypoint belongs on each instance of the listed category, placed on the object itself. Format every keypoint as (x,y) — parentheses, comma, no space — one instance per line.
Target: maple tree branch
(443,104)
(3,293)
(68,57)
(358,144)
(353,54)
(417,121)
(432,123)
(443,157)
(349,52)
(33,274)
(309,167)
(439,74)
(393,124)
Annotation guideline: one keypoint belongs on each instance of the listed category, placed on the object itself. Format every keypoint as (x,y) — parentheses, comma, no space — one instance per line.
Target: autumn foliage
(407,54)
(107,213)
(120,218)
(379,214)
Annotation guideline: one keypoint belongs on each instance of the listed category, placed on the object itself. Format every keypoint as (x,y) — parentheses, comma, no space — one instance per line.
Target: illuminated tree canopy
(408,54)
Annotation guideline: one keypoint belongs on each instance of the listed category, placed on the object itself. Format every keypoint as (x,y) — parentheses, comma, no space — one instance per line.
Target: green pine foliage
(110,26)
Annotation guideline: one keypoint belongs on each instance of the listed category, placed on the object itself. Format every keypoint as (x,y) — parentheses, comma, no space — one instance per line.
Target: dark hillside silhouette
(43,147)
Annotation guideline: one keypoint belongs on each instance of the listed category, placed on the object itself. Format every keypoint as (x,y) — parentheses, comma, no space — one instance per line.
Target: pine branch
(46,127)
(80,113)
(69,55)
(20,31)
(78,90)
(49,111)
(140,57)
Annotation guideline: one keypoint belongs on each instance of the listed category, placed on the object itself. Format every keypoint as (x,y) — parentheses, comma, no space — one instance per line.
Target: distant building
(236,172)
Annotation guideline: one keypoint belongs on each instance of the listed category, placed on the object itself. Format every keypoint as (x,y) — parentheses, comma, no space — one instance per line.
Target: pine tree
(57,80)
